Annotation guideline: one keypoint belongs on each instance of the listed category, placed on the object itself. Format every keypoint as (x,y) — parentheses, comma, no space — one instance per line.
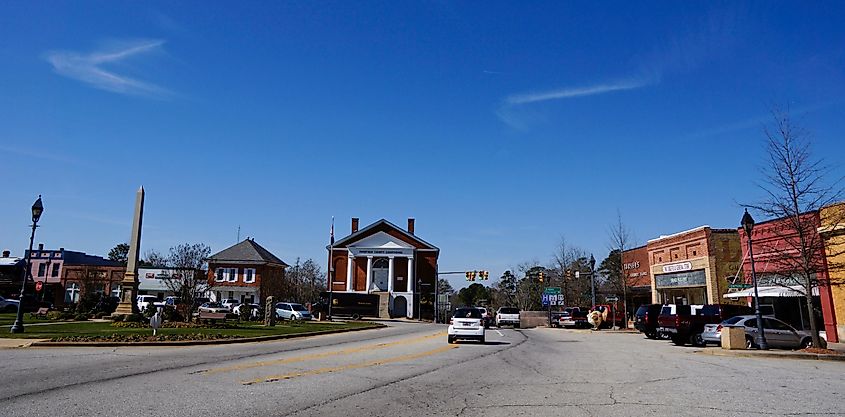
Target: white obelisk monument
(129,284)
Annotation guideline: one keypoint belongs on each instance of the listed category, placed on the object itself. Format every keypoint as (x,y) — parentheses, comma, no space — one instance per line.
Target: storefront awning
(777,291)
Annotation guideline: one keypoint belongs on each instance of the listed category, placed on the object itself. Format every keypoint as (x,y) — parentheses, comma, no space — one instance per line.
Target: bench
(212,317)
(42,313)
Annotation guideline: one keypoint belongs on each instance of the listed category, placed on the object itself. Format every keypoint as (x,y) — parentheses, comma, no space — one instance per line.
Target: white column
(411,274)
(350,265)
(369,272)
(390,271)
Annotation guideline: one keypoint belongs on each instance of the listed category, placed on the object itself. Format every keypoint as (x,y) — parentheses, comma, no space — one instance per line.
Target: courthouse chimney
(411,225)
(40,246)
(354,224)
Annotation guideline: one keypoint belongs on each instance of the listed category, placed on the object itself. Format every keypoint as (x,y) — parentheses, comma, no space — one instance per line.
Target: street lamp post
(37,209)
(747,223)
(593,279)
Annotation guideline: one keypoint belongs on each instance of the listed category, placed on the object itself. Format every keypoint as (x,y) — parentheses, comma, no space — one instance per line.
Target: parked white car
(143,301)
(466,323)
(230,303)
(292,311)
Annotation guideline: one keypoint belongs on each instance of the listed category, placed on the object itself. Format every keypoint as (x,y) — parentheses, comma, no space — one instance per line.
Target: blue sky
(499,126)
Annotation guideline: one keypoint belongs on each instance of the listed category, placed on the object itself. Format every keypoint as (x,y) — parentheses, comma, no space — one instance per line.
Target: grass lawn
(7,319)
(102,329)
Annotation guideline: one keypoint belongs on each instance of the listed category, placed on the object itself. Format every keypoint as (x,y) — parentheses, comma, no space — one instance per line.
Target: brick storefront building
(693,267)
(67,275)
(635,265)
(777,261)
(387,260)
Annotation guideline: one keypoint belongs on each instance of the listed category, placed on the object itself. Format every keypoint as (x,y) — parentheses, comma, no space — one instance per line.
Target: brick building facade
(694,266)
(387,260)
(246,272)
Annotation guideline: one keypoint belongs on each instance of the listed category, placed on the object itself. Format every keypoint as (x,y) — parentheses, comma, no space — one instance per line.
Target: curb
(784,355)
(204,342)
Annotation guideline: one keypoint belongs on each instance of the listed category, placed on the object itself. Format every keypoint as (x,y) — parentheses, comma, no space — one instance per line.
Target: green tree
(120,253)
(471,295)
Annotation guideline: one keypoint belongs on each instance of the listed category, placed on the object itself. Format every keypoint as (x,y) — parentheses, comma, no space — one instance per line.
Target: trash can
(733,338)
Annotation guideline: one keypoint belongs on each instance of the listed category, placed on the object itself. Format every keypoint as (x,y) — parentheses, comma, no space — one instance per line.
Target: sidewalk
(781,354)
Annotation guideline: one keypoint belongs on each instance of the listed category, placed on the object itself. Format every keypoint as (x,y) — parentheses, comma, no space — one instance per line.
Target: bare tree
(153,259)
(566,260)
(796,187)
(620,240)
(188,282)
(305,280)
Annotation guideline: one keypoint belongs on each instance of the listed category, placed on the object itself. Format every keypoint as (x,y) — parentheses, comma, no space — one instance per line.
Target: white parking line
(500,333)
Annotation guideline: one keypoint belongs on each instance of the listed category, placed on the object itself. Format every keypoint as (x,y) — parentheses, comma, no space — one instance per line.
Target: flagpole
(329,269)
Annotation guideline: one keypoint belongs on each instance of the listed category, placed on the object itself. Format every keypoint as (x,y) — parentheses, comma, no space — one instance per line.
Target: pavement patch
(318,355)
(276,378)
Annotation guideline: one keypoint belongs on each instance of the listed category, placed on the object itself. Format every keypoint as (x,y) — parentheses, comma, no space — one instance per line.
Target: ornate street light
(37,209)
(593,279)
(747,223)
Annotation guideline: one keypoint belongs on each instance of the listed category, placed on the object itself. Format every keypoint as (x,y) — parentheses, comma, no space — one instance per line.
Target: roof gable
(380,240)
(246,251)
(388,228)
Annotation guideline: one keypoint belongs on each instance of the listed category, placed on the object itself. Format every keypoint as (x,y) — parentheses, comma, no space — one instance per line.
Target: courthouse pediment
(380,240)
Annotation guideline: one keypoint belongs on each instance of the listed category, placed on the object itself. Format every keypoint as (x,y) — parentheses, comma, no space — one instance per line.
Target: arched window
(381,263)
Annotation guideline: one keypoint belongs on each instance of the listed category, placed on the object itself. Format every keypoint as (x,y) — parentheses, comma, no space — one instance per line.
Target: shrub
(54,315)
(149,311)
(80,317)
(133,318)
(67,315)
(171,314)
(118,318)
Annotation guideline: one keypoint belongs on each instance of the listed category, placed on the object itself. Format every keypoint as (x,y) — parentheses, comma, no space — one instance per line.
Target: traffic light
(468,275)
(541,276)
(485,274)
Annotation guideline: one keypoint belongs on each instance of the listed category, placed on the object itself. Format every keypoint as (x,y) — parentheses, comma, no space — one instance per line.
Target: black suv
(645,319)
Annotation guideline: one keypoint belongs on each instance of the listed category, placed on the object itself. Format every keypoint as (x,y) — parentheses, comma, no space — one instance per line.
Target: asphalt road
(409,369)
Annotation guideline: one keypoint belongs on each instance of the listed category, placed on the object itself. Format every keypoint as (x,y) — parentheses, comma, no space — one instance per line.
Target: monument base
(123,309)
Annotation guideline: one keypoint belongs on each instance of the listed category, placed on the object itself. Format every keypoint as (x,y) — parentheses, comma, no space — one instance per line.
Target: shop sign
(681,279)
(683,266)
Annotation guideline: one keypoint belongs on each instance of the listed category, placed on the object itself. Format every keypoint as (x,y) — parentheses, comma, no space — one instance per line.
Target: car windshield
(509,310)
(213,305)
(468,313)
(666,310)
(298,307)
(642,310)
(732,320)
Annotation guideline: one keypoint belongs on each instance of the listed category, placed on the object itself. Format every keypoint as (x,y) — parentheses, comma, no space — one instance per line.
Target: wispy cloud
(571,92)
(90,68)
(515,111)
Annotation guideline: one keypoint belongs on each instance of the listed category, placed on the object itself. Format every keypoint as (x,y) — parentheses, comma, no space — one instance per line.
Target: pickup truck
(645,319)
(573,317)
(608,321)
(507,315)
(690,322)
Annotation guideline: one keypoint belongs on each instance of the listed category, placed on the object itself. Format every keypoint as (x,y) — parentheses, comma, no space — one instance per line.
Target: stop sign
(38,285)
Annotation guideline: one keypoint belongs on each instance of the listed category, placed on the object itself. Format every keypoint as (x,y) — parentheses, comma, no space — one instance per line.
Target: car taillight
(645,317)
(719,328)
(677,321)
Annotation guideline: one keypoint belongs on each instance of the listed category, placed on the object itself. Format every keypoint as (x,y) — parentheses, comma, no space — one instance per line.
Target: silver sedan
(778,334)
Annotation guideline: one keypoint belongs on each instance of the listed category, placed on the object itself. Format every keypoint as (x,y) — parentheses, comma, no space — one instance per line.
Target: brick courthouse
(392,262)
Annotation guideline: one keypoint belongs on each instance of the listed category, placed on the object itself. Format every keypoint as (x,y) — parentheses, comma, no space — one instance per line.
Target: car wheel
(807,342)
(696,340)
(356,316)
(451,339)
(652,335)
(483,340)
(749,343)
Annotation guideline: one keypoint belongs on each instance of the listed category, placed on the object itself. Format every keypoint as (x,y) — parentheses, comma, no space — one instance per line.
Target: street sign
(740,286)
(551,290)
(612,299)
(552,299)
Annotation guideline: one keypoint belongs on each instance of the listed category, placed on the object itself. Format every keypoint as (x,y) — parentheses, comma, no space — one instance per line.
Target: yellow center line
(321,355)
(274,378)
